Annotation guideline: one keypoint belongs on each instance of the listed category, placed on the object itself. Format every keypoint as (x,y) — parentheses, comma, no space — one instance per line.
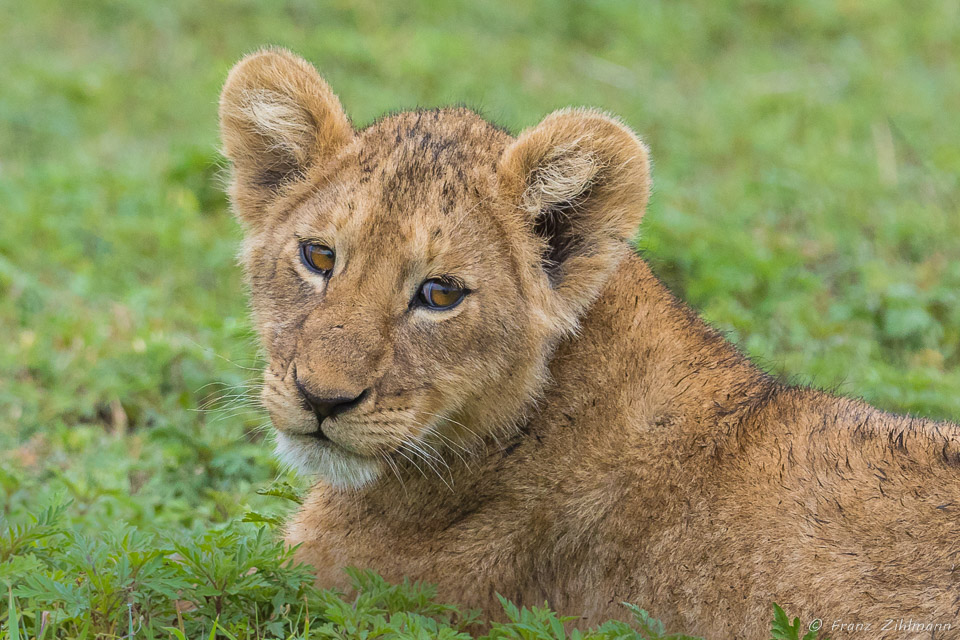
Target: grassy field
(807,201)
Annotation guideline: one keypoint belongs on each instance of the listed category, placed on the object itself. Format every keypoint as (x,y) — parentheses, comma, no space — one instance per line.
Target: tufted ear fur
(582,180)
(277,119)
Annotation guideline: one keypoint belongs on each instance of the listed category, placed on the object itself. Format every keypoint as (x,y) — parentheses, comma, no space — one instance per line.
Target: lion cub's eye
(317,257)
(441,293)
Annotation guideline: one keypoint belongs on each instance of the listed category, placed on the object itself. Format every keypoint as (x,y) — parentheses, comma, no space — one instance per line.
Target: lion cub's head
(410,280)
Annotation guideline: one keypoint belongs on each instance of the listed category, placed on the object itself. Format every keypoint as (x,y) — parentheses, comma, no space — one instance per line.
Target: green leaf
(283,490)
(260,518)
(782,628)
(13,621)
(176,633)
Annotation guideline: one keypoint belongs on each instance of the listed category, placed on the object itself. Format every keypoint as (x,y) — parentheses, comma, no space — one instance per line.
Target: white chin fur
(336,467)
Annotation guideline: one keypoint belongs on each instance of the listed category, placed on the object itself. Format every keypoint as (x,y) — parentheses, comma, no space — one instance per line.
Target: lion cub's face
(380,293)
(411,280)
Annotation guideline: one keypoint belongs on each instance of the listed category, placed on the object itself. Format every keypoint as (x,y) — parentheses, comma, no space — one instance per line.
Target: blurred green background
(807,158)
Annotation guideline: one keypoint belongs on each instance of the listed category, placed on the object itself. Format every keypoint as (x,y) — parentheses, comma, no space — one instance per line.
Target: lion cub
(499,397)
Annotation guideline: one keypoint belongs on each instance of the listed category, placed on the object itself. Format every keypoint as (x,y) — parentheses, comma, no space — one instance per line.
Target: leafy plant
(236,575)
(783,629)
(238,582)
(96,582)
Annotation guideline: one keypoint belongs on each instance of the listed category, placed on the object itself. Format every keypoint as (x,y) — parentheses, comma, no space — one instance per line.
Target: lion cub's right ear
(278,118)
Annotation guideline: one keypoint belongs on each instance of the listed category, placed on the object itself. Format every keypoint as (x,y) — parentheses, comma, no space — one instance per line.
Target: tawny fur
(570,433)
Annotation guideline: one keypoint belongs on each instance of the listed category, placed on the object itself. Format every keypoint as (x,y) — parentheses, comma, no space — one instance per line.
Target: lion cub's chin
(334,465)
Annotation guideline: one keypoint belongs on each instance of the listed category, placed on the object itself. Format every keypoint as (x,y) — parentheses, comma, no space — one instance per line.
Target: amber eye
(441,293)
(317,257)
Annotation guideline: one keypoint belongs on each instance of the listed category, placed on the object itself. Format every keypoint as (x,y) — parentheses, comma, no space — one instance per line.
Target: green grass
(807,159)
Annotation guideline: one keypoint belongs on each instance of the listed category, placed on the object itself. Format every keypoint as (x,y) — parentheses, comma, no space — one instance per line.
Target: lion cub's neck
(646,372)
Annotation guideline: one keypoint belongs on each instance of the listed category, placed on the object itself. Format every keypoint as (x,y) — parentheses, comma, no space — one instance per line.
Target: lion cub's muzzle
(328,404)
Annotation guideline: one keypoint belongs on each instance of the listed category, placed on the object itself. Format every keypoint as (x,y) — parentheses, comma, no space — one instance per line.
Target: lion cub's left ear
(582,180)
(278,118)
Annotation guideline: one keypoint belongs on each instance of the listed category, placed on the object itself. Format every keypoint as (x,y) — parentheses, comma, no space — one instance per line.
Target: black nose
(328,406)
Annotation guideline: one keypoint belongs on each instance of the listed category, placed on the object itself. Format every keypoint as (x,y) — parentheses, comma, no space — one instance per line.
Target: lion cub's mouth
(319,435)
(319,438)
(317,454)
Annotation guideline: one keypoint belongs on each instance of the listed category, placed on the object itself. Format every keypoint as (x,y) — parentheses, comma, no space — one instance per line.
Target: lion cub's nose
(329,405)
